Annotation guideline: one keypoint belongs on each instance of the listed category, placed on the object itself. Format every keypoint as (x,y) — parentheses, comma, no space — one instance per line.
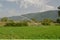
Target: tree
(59,11)
(4,19)
(58,20)
(46,21)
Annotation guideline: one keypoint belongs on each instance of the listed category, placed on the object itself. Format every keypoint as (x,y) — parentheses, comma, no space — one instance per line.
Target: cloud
(34,5)
(37,4)
(47,7)
(27,3)
(11,0)
(8,13)
(1,5)
(12,12)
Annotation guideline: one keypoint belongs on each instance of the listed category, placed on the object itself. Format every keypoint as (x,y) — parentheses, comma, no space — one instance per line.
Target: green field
(34,32)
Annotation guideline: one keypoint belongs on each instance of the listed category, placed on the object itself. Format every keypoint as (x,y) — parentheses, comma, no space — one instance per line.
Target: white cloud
(25,3)
(47,7)
(34,5)
(41,4)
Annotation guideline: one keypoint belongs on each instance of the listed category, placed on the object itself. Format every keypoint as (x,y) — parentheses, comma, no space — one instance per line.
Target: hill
(52,14)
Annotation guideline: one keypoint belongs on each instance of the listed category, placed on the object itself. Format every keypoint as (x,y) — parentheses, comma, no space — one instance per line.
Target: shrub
(57,24)
(24,23)
(9,24)
(58,20)
(4,19)
(16,24)
(46,22)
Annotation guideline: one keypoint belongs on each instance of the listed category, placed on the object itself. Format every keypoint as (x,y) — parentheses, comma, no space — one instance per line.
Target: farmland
(34,32)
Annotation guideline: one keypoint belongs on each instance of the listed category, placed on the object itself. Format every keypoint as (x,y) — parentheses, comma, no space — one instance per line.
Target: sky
(19,7)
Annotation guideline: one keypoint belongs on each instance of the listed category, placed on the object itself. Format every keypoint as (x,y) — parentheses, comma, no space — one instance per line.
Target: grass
(34,32)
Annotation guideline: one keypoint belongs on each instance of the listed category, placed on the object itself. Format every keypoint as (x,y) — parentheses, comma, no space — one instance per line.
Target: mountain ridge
(53,14)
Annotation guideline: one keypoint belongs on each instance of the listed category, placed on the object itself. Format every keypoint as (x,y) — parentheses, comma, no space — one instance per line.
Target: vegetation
(46,22)
(30,29)
(31,32)
(58,20)
(59,11)
(27,29)
(23,23)
(6,22)
(4,19)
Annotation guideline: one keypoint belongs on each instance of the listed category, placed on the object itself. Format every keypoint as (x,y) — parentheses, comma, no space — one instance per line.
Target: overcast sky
(18,7)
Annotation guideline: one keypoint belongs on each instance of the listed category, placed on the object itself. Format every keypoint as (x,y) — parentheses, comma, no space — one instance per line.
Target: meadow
(34,32)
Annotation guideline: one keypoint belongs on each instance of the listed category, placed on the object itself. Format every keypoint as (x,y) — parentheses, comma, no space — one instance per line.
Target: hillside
(53,14)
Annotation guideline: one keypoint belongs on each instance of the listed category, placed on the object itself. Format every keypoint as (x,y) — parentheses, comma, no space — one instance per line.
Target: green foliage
(59,7)
(4,19)
(22,24)
(46,22)
(58,20)
(16,24)
(59,11)
(9,24)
